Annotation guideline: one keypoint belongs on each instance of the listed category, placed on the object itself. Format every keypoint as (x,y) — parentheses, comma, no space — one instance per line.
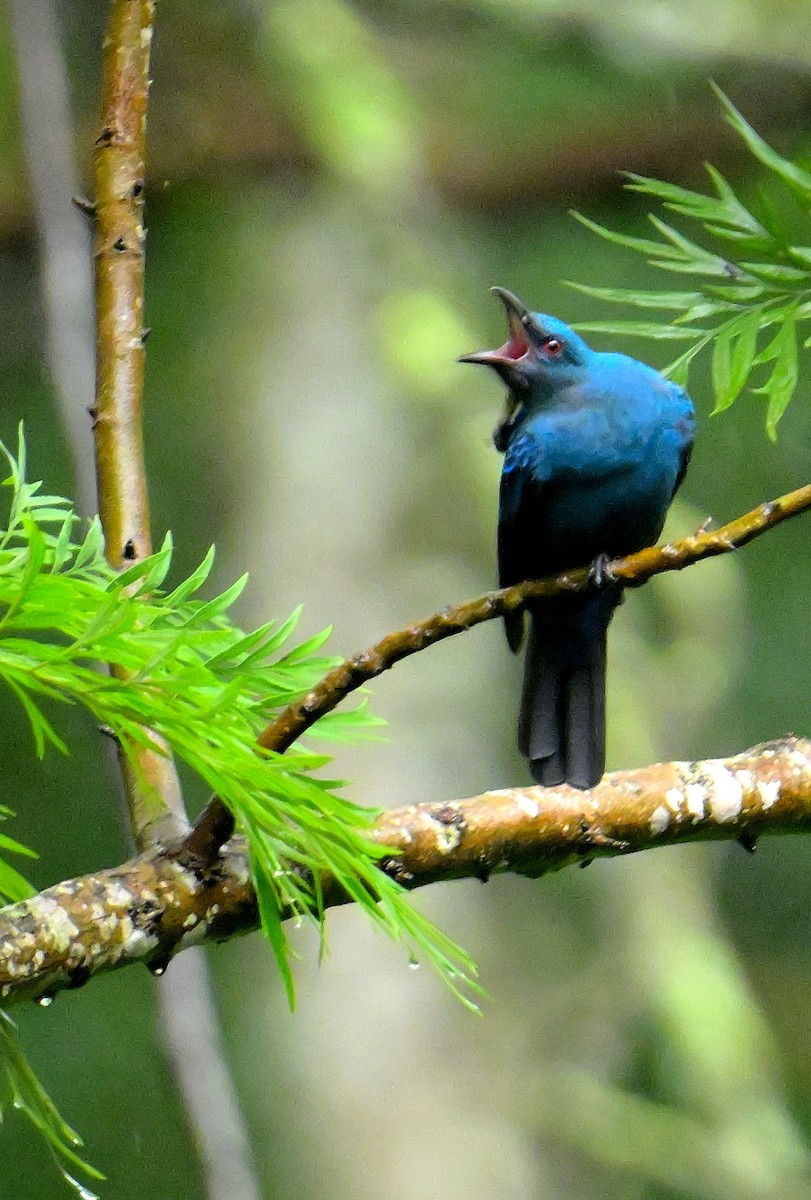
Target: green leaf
(195,581)
(802,255)
(348,726)
(307,648)
(742,294)
(733,357)
(29,1097)
(678,370)
(766,284)
(779,273)
(35,558)
(640,299)
(640,329)
(219,605)
(737,213)
(798,180)
(772,348)
(150,572)
(254,645)
(92,548)
(284,631)
(11,844)
(779,387)
(270,917)
(726,210)
(63,547)
(693,258)
(744,243)
(13,885)
(702,310)
(641,245)
(44,733)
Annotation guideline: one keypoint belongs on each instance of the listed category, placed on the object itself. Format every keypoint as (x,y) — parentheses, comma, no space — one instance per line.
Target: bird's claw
(600,571)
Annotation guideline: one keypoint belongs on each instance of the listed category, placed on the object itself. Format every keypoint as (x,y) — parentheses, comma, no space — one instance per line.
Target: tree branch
(152,787)
(155,905)
(632,571)
(215,824)
(157,813)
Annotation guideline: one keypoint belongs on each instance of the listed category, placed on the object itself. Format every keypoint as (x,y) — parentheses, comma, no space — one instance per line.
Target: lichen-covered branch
(153,792)
(143,911)
(215,824)
(153,906)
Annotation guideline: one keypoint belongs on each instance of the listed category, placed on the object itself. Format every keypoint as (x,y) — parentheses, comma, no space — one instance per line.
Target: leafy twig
(756,280)
(184,670)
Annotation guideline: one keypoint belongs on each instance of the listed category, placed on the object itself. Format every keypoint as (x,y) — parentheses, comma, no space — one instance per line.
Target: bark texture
(153,906)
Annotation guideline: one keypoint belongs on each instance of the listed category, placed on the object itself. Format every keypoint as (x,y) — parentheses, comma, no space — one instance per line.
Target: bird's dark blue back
(595,447)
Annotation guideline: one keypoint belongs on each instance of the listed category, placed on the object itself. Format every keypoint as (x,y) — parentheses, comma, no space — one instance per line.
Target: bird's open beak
(508,359)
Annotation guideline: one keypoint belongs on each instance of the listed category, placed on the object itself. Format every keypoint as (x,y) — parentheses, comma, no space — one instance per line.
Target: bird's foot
(704,526)
(600,571)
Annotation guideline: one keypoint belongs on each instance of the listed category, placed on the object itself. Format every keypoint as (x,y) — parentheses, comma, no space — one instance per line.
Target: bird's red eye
(553,345)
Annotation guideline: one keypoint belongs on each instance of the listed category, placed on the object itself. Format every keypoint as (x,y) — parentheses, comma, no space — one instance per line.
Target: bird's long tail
(561,728)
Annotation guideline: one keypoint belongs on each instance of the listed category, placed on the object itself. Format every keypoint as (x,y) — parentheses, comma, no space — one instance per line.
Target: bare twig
(632,571)
(153,791)
(214,825)
(118,168)
(150,908)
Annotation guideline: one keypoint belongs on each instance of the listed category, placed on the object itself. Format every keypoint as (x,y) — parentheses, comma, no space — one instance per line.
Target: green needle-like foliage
(23,1091)
(754,281)
(13,886)
(192,676)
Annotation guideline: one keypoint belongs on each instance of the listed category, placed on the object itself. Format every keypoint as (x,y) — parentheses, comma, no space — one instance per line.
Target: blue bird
(595,448)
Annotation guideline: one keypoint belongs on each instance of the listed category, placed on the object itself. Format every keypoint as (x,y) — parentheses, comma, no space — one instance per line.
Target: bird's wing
(549,454)
(520,498)
(520,491)
(687,429)
(683,465)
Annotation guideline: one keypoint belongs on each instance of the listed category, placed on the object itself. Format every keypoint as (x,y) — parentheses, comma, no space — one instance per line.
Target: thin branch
(215,825)
(150,779)
(632,571)
(150,908)
(157,813)
(118,168)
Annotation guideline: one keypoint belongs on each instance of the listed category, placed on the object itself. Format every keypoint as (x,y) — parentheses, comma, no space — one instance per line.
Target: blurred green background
(331,190)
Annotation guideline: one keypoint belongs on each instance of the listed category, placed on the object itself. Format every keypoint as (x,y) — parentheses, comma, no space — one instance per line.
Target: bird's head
(540,356)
